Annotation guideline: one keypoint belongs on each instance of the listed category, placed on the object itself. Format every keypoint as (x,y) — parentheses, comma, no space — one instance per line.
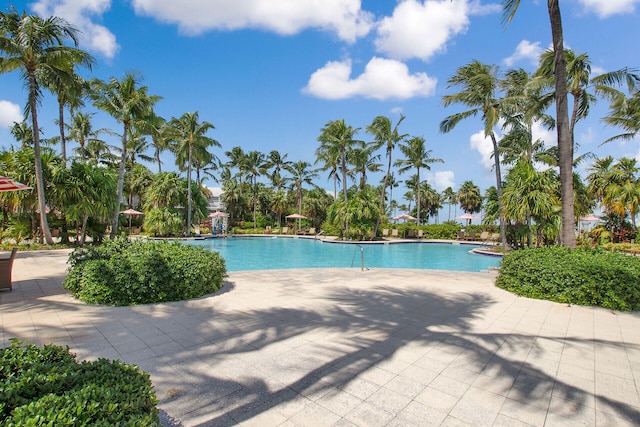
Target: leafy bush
(164,222)
(446,231)
(121,272)
(578,276)
(47,386)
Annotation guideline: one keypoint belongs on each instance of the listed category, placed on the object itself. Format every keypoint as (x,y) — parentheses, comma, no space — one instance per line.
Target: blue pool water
(274,253)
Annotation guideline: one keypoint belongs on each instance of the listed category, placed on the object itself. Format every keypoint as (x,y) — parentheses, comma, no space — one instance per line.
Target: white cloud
(606,8)
(421,29)
(525,51)
(9,113)
(382,79)
(484,146)
(343,17)
(82,13)
(548,137)
(441,179)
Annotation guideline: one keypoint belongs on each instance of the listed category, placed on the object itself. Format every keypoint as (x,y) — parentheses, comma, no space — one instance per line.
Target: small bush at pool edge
(122,272)
(47,386)
(591,277)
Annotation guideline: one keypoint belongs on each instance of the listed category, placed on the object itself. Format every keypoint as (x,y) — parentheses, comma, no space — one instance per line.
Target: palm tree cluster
(536,195)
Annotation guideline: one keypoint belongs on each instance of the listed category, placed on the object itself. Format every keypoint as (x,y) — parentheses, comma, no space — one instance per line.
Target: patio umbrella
(587,218)
(214,219)
(298,217)
(405,217)
(130,212)
(468,217)
(8,184)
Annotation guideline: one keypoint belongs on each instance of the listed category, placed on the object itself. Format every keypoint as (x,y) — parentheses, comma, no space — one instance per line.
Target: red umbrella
(8,184)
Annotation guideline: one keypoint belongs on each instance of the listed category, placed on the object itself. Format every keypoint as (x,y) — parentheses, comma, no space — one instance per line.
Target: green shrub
(121,272)
(578,276)
(47,386)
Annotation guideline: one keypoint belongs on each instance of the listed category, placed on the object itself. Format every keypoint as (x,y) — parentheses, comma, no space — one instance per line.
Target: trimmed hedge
(121,272)
(47,386)
(589,277)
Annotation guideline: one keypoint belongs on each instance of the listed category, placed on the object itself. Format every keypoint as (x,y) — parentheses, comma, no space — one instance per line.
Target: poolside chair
(285,230)
(385,232)
(267,229)
(460,235)
(420,234)
(394,232)
(312,231)
(473,235)
(411,233)
(484,236)
(6,265)
(495,237)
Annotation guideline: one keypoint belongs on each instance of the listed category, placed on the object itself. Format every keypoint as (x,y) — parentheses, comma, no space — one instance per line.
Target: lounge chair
(6,264)
(385,232)
(285,230)
(394,232)
(411,233)
(420,234)
(473,236)
(267,229)
(312,231)
(495,237)
(484,236)
(460,235)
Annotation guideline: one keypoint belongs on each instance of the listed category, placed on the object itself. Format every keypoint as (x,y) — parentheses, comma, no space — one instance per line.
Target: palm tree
(23,133)
(159,131)
(237,159)
(189,135)
(418,157)
(625,113)
(479,83)
(166,191)
(384,135)
(469,197)
(362,158)
(337,138)
(329,157)
(81,131)
(600,177)
(565,142)
(33,45)
(276,162)
(255,166)
(300,175)
(126,101)
(449,197)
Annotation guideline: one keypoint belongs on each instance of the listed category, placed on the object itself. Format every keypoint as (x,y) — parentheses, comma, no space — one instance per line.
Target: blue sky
(270,74)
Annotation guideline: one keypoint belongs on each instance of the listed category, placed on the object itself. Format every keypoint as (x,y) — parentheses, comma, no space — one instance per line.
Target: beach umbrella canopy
(8,184)
(404,216)
(217,214)
(295,216)
(589,218)
(131,212)
(467,216)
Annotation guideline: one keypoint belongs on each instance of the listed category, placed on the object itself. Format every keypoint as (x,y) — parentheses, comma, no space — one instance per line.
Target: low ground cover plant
(48,386)
(121,272)
(592,277)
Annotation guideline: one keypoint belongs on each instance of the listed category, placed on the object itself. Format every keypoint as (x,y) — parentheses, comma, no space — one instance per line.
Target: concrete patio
(349,348)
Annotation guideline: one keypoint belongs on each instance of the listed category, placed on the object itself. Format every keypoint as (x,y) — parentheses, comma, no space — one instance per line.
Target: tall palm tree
(300,175)
(159,130)
(33,44)
(337,138)
(237,159)
(449,197)
(418,157)
(479,83)
(23,133)
(385,135)
(126,101)
(469,197)
(624,112)
(81,131)
(329,157)
(565,142)
(189,134)
(255,166)
(276,162)
(362,158)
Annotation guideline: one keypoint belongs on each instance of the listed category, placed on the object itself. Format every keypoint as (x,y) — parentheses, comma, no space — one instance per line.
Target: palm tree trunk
(83,229)
(496,159)
(63,142)
(189,191)
(42,204)
(123,159)
(418,196)
(565,144)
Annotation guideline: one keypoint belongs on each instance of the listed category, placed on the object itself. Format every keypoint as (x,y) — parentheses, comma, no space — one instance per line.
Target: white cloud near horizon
(606,8)
(431,22)
(382,79)
(526,51)
(10,113)
(82,14)
(441,180)
(345,18)
(484,147)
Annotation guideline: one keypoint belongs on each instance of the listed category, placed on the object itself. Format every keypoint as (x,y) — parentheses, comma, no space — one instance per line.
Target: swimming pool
(275,253)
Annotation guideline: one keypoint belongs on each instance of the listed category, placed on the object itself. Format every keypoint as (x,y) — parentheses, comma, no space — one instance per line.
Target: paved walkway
(349,348)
